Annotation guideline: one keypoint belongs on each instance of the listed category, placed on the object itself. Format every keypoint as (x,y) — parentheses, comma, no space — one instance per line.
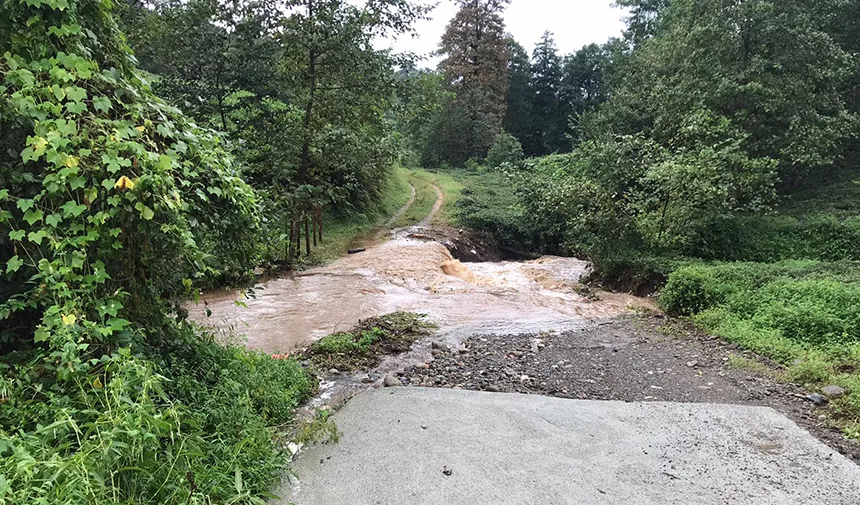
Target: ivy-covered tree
(112,205)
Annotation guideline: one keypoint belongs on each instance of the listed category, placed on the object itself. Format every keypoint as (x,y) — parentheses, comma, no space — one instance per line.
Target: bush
(691,290)
(810,303)
(505,149)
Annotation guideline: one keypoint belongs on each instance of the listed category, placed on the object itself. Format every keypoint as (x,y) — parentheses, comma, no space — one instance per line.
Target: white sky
(575,23)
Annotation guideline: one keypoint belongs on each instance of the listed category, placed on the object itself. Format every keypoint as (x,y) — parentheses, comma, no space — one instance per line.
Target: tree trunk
(307,237)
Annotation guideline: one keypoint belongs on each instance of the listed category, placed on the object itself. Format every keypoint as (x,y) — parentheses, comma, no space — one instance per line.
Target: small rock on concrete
(391,381)
(692,364)
(833,392)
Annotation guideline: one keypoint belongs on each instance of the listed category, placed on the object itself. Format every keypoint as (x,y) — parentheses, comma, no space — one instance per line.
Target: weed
(364,345)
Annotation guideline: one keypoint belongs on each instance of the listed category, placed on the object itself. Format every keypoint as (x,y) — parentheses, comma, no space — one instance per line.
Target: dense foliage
(300,90)
(717,155)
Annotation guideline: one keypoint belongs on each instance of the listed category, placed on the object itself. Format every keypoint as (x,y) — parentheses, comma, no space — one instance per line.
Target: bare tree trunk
(307,237)
(314,225)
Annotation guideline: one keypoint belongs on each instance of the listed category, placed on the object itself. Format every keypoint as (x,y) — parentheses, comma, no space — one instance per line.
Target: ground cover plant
(365,345)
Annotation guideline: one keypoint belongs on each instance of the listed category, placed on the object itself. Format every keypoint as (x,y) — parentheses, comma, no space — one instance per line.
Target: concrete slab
(513,449)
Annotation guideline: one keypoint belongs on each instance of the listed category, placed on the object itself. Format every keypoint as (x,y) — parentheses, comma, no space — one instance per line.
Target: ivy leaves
(100,200)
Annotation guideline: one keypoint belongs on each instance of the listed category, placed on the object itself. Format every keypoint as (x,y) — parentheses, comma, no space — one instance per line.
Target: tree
(550,113)
(475,66)
(585,83)
(644,20)
(518,116)
(300,90)
(505,149)
(209,57)
(781,81)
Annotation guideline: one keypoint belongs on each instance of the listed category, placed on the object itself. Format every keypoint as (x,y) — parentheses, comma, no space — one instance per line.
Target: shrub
(505,149)
(691,290)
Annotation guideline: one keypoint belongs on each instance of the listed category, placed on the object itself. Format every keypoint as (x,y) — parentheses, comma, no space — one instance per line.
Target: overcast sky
(575,23)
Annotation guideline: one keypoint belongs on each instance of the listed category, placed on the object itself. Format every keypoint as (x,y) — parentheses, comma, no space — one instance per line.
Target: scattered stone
(817,399)
(692,364)
(334,371)
(306,364)
(436,345)
(366,380)
(391,381)
(516,354)
(447,471)
(833,392)
(493,389)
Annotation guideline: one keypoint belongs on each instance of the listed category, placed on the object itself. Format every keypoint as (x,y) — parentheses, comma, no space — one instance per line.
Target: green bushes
(803,314)
(784,310)
(112,206)
(505,149)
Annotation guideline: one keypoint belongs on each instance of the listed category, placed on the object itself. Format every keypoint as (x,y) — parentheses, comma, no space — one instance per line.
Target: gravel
(636,359)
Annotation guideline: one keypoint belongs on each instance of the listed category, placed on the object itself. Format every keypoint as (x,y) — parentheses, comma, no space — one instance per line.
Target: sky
(575,23)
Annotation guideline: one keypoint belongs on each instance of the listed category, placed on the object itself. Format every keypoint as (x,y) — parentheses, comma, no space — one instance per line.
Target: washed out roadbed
(633,359)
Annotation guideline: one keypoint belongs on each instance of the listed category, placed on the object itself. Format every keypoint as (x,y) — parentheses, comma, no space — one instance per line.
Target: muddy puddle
(412,275)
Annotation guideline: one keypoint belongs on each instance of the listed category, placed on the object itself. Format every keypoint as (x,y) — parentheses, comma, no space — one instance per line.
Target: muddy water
(412,275)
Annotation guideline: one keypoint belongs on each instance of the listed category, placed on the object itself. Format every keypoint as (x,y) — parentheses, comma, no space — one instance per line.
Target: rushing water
(412,275)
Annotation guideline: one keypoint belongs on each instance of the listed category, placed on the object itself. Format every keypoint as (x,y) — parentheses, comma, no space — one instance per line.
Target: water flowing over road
(412,275)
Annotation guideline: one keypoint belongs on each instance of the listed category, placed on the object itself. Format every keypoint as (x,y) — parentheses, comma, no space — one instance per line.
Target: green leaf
(17,235)
(53,220)
(33,216)
(147,213)
(73,209)
(37,237)
(25,205)
(4,194)
(76,94)
(41,335)
(13,264)
(76,107)
(101,104)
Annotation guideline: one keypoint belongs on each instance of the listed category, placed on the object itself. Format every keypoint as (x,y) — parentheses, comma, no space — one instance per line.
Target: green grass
(805,315)
(183,419)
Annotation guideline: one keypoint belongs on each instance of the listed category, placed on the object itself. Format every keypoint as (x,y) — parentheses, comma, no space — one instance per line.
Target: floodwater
(413,275)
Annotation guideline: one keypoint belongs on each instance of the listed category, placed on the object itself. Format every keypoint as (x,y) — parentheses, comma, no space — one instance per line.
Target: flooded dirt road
(412,275)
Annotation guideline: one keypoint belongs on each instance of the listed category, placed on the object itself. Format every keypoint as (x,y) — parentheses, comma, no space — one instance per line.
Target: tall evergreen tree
(550,113)
(475,66)
(585,82)
(518,118)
